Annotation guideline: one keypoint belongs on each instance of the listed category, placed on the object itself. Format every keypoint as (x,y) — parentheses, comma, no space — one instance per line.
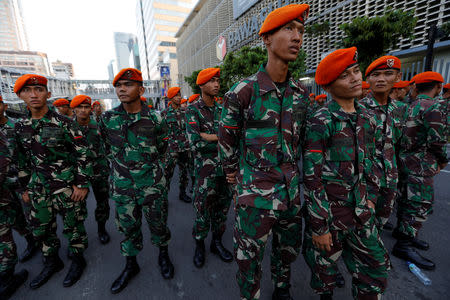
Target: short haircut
(426,86)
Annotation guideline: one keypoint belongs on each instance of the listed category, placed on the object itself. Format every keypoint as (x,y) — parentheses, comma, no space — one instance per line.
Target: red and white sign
(221,48)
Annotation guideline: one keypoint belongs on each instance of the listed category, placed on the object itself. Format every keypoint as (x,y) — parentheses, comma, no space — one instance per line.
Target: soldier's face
(365,92)
(401,93)
(382,81)
(129,91)
(184,105)
(35,96)
(63,110)
(177,99)
(98,110)
(446,94)
(286,42)
(348,85)
(3,107)
(212,87)
(83,111)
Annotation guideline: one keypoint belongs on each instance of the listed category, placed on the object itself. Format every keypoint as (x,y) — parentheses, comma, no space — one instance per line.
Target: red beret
(205,75)
(150,106)
(80,99)
(428,76)
(1,98)
(96,102)
(143,99)
(183,101)
(321,96)
(383,63)
(29,79)
(60,102)
(401,84)
(284,15)
(365,85)
(128,74)
(172,92)
(193,98)
(312,95)
(446,86)
(334,64)
(169,103)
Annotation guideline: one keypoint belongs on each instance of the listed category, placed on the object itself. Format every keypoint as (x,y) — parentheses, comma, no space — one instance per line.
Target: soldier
(9,281)
(312,97)
(422,157)
(53,174)
(135,140)
(176,154)
(191,172)
(81,104)
(399,90)
(183,104)
(338,165)
(321,99)
(97,109)
(212,194)
(63,107)
(365,89)
(444,102)
(390,116)
(261,132)
(21,212)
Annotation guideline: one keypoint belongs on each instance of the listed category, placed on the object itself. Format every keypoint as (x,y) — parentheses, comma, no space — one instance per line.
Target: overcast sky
(78,31)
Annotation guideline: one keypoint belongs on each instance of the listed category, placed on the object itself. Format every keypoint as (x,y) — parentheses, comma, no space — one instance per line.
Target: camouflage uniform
(52,157)
(423,150)
(390,119)
(135,146)
(100,167)
(338,163)
(212,194)
(444,107)
(260,136)
(177,140)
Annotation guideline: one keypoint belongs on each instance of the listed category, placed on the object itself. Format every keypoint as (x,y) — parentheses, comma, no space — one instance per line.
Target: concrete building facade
(29,61)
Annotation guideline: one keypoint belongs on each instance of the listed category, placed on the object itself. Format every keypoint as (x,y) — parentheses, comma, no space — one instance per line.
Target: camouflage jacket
(5,159)
(260,136)
(96,153)
(390,119)
(135,146)
(52,153)
(424,138)
(12,178)
(444,107)
(176,125)
(338,158)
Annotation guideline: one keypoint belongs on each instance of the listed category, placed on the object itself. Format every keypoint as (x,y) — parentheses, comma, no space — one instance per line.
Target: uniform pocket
(261,141)
(52,136)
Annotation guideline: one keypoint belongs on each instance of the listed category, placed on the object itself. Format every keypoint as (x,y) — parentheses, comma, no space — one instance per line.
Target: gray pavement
(216,280)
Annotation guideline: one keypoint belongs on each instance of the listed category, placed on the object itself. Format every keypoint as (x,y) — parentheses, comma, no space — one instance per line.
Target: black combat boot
(281,294)
(326,297)
(52,265)
(184,197)
(103,235)
(218,249)
(403,249)
(165,264)
(75,271)
(340,281)
(30,251)
(10,282)
(131,270)
(415,242)
(199,256)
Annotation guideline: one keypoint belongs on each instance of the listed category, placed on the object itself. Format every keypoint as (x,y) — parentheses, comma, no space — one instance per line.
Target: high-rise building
(12,29)
(29,61)
(125,44)
(63,70)
(157,23)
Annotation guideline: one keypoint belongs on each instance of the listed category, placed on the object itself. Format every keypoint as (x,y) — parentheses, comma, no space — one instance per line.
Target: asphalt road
(216,280)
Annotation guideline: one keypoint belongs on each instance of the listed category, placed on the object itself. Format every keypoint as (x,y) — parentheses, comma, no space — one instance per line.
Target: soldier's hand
(371,204)
(26,197)
(79,193)
(441,166)
(323,242)
(231,177)
(209,137)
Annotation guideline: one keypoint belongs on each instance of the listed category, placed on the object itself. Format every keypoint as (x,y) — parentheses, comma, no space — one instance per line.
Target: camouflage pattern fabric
(212,195)
(423,151)
(444,107)
(339,165)
(135,146)
(171,160)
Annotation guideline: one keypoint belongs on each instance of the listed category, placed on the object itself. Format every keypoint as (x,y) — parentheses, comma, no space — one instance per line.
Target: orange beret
(205,75)
(321,96)
(383,63)
(312,95)
(143,99)
(401,84)
(172,92)
(428,76)
(60,102)
(1,98)
(128,74)
(29,79)
(284,15)
(150,106)
(169,103)
(365,85)
(80,99)
(183,101)
(193,98)
(446,86)
(334,64)
(96,102)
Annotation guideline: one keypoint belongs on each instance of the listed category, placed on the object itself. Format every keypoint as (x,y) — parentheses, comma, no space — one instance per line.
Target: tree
(375,36)
(243,63)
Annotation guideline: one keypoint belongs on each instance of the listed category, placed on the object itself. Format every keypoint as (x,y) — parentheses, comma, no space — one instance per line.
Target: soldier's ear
(399,76)
(49,95)
(141,90)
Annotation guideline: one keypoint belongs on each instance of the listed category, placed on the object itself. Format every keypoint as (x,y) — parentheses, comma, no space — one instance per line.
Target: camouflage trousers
(364,255)
(251,231)
(129,208)
(100,187)
(182,159)
(212,198)
(44,208)
(191,168)
(11,217)
(415,204)
(385,201)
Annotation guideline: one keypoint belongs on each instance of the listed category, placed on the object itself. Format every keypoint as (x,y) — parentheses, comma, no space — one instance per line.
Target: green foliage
(375,36)
(445,28)
(243,63)
(318,28)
